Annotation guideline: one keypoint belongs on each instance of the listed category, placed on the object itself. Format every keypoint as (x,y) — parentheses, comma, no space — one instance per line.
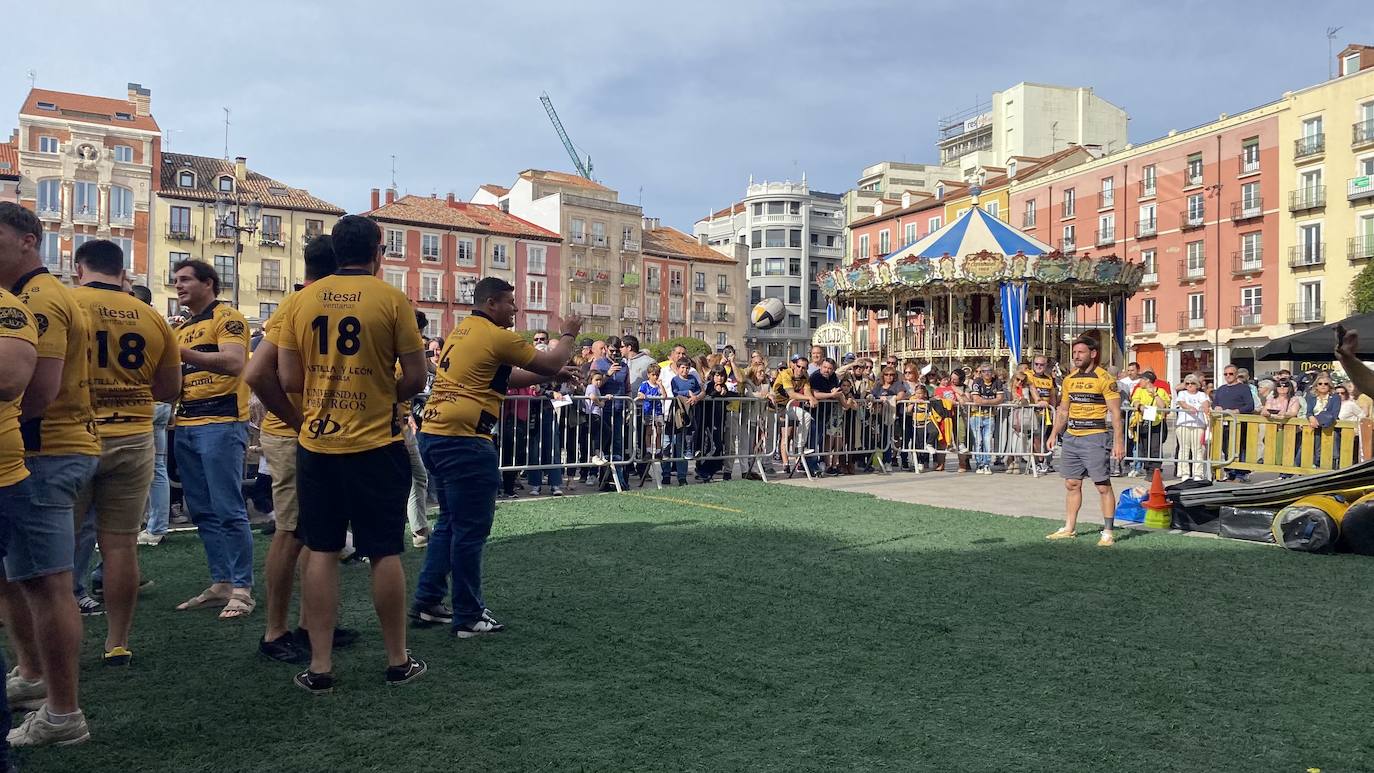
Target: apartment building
(691,289)
(257,267)
(601,238)
(9,170)
(793,234)
(886,181)
(435,251)
(88,166)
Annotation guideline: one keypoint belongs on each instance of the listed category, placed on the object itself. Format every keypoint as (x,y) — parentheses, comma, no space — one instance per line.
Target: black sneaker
(315,684)
(285,649)
(405,673)
(479,627)
(343,637)
(431,614)
(89,607)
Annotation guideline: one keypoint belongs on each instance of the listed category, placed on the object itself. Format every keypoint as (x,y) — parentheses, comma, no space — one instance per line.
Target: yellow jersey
(784,382)
(272,425)
(474,366)
(1088,393)
(349,329)
(131,342)
(212,398)
(68,425)
(15,322)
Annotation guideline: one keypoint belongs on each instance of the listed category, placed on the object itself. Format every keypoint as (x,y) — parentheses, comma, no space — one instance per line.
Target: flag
(1013,316)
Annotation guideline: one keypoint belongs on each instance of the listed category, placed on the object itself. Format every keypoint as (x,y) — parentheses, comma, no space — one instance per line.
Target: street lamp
(226,217)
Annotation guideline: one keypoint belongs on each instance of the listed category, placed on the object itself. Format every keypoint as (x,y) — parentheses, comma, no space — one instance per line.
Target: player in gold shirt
(1090,406)
(1045,398)
(62,449)
(211,437)
(337,345)
(481,359)
(134,363)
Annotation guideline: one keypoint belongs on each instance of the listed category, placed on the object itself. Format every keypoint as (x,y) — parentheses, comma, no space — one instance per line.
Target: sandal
(240,605)
(206,599)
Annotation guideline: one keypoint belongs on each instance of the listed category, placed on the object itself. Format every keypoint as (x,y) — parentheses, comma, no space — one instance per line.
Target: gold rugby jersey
(271,332)
(212,398)
(349,329)
(68,425)
(130,343)
(1044,390)
(1088,393)
(474,368)
(15,322)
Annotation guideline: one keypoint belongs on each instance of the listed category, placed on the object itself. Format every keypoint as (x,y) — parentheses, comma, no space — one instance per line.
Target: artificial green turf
(814,630)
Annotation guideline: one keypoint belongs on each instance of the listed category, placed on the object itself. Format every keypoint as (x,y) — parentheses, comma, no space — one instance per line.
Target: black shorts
(366,492)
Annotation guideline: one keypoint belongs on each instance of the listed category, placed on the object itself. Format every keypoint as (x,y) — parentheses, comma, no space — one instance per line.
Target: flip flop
(239,605)
(204,600)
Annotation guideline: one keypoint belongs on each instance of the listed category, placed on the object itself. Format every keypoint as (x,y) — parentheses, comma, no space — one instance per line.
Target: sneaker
(119,656)
(38,729)
(555,492)
(285,649)
(1062,534)
(598,460)
(89,607)
(419,540)
(1106,540)
(478,627)
(24,694)
(751,475)
(315,684)
(405,673)
(537,491)
(148,538)
(431,614)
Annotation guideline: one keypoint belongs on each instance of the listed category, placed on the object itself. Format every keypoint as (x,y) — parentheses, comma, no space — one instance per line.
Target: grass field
(757,627)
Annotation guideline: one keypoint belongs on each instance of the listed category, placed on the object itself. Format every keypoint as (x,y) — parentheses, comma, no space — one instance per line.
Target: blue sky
(681,100)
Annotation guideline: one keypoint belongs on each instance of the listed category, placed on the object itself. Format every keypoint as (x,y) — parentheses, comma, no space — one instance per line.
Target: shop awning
(1319,343)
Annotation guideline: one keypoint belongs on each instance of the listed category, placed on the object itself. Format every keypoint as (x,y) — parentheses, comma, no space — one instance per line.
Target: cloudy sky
(677,103)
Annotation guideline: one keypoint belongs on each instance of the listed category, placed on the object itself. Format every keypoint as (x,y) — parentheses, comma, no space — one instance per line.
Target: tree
(695,347)
(1362,290)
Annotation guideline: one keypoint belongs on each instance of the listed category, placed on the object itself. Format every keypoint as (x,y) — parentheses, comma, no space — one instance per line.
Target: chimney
(241,168)
(376,197)
(701,239)
(650,224)
(906,199)
(449,198)
(391,195)
(142,99)
(878,207)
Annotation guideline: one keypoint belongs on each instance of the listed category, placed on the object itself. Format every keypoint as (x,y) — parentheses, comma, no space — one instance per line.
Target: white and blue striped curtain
(1013,316)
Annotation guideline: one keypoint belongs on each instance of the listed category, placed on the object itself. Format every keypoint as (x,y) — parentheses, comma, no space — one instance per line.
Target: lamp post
(226,217)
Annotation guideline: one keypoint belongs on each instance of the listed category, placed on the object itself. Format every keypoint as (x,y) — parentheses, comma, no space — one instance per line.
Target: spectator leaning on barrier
(1234,397)
(792,396)
(826,396)
(1148,424)
(1323,407)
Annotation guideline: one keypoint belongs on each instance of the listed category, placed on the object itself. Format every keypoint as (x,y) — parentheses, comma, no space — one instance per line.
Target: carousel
(978,289)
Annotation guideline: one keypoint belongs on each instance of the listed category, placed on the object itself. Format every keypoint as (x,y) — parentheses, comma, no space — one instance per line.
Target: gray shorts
(1085,456)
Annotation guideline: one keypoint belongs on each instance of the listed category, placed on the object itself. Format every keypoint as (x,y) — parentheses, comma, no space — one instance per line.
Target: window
(121,205)
(755,295)
(179,221)
(86,199)
(1250,199)
(598,234)
(396,277)
(271,228)
(940,191)
(1192,174)
(1196,310)
(429,247)
(910,233)
(1251,301)
(578,229)
(1196,209)
(499,258)
(173,307)
(1148,222)
(186,179)
(1106,228)
(863,246)
(535,258)
(536,288)
(933,224)
(47,144)
(793,320)
(126,246)
(1148,316)
(313,228)
(675,280)
(1147,259)
(270,279)
(777,207)
(429,287)
(1310,244)
(993,208)
(266,309)
(758,209)
(1310,307)
(774,237)
(1310,190)
(124,154)
(627,235)
(226,184)
(174,258)
(651,278)
(773,267)
(795,207)
(1196,262)
(395,242)
(756,238)
(1251,249)
(1067,244)
(699,282)
(720,340)
(467,252)
(794,266)
(466,286)
(884,241)
(1028,218)
(1249,155)
(1147,181)
(50,197)
(1312,127)
(794,295)
(1350,64)
(1070,202)
(1108,192)
(52,250)
(224,265)
(794,237)
(722,283)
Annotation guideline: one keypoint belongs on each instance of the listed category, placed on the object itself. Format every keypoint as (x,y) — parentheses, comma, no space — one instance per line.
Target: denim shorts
(43,540)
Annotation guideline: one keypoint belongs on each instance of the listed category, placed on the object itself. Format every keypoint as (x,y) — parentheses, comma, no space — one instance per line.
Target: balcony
(1246,316)
(1246,210)
(1028,220)
(271,283)
(122,219)
(630,312)
(701,316)
(1307,255)
(1140,325)
(1106,236)
(1150,277)
(271,239)
(49,212)
(699,288)
(1067,246)
(1192,177)
(722,289)
(85,215)
(578,238)
(1309,147)
(653,284)
(181,232)
(601,309)
(1195,319)
(652,315)
(585,309)
(579,273)
(725,317)
(599,241)
(1146,228)
(1147,189)
(1192,217)
(1247,262)
(434,296)
(1248,165)
(629,279)
(1311,197)
(1306,313)
(675,288)
(1357,188)
(395,251)
(1192,269)
(629,245)
(1362,134)
(675,318)
(601,276)
(1360,248)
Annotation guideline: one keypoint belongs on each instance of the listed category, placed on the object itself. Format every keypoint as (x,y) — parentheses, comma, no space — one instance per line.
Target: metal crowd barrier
(1012,434)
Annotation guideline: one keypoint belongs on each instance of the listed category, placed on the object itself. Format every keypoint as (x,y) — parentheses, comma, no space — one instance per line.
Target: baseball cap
(850,357)
(800,356)
(584,343)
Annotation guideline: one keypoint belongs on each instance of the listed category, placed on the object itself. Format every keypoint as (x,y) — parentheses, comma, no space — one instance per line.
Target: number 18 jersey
(349,329)
(130,342)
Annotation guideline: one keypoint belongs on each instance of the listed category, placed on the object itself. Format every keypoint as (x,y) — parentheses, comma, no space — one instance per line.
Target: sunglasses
(1229,373)
(541,340)
(1038,365)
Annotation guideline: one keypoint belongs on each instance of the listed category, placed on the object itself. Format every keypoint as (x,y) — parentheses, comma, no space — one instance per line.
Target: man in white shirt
(1127,381)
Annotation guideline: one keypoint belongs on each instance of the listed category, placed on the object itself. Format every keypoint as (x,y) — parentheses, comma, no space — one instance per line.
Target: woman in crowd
(1193,408)
(711,431)
(1323,410)
(1024,422)
(1149,409)
(1280,406)
(887,393)
(925,419)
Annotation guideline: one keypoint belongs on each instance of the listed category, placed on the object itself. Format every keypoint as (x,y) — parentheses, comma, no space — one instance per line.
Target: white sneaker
(23,694)
(556,491)
(598,460)
(148,538)
(419,540)
(536,491)
(38,730)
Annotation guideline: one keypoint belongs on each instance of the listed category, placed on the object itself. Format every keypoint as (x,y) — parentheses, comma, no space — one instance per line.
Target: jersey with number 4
(130,343)
(348,330)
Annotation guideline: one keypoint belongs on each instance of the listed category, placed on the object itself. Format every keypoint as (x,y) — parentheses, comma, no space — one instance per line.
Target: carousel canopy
(972,232)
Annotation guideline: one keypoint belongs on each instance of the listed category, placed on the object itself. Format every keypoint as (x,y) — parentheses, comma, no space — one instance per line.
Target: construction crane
(583,169)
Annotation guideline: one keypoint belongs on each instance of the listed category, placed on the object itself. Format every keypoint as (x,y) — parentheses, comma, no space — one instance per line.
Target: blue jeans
(465,469)
(544,448)
(980,427)
(615,427)
(160,494)
(210,461)
(43,540)
(680,444)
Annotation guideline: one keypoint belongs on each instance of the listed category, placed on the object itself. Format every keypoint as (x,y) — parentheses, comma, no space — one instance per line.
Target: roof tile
(9,160)
(672,243)
(86,109)
(460,215)
(208,170)
(562,178)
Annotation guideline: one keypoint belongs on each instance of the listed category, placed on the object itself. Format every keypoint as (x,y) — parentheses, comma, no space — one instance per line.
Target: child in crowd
(592,406)
(686,390)
(651,394)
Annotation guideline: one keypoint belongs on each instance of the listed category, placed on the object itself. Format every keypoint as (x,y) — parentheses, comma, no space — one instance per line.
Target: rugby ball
(769,312)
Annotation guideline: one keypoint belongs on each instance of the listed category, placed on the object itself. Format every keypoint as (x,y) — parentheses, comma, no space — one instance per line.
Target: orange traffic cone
(1157,507)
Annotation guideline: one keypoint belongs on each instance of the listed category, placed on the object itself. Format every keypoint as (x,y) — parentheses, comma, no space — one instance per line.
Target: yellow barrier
(1289,446)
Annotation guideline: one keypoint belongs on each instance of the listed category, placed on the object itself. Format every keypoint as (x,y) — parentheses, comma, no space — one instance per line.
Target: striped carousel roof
(972,232)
